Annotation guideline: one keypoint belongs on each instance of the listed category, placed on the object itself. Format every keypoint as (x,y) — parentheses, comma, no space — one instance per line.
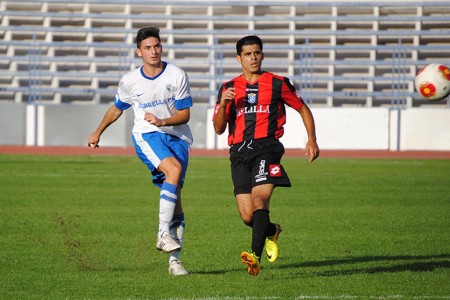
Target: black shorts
(257,162)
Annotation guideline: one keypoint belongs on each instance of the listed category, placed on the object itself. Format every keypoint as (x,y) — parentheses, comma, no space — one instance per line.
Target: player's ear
(238,58)
(138,52)
(262,55)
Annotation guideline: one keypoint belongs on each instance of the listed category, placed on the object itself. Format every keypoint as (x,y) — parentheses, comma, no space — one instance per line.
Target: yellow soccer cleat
(252,261)
(272,249)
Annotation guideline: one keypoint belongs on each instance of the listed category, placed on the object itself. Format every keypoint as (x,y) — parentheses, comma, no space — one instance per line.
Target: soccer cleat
(167,243)
(252,261)
(272,250)
(176,268)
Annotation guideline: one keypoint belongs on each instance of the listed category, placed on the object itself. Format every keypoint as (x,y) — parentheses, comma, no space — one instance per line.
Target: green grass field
(84,227)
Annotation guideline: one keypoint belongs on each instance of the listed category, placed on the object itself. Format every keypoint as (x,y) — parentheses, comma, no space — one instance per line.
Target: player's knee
(176,169)
(248,220)
(260,203)
(172,169)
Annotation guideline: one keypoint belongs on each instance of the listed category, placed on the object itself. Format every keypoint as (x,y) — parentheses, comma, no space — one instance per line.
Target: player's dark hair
(145,33)
(248,40)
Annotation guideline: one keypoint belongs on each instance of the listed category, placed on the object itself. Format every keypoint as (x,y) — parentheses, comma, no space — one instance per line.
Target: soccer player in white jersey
(159,93)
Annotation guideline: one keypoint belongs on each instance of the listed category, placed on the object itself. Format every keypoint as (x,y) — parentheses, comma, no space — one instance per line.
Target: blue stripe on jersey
(183,103)
(121,105)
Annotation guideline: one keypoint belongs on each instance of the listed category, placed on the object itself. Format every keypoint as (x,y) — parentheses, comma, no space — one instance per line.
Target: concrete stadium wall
(424,129)
(71,124)
(337,128)
(12,123)
(364,129)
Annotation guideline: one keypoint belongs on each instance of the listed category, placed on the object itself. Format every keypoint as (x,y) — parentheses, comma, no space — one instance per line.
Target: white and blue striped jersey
(161,95)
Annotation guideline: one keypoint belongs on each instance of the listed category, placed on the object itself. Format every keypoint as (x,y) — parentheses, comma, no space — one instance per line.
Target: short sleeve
(122,99)
(183,97)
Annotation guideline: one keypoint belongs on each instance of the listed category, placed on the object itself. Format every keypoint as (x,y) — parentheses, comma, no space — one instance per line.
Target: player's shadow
(378,264)
(346,266)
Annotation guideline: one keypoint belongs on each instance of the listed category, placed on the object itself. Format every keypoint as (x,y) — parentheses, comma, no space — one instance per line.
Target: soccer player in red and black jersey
(252,105)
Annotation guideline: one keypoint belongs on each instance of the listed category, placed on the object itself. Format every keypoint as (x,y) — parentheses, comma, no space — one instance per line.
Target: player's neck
(252,77)
(153,70)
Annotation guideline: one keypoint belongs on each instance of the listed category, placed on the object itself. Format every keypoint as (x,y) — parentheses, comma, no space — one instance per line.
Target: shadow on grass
(351,265)
(383,264)
(335,267)
(216,272)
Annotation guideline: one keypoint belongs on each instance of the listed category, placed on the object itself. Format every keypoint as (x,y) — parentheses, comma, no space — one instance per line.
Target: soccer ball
(433,82)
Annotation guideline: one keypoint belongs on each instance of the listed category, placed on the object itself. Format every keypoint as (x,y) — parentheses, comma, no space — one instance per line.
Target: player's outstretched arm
(312,149)
(111,115)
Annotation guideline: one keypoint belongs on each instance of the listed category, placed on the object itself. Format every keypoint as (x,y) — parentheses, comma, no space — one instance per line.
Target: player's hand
(227,96)
(312,151)
(152,119)
(93,141)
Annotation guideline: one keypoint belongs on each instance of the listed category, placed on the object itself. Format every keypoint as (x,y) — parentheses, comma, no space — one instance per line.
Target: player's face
(150,51)
(251,58)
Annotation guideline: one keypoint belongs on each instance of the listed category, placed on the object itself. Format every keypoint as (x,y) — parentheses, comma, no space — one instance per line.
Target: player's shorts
(153,147)
(257,162)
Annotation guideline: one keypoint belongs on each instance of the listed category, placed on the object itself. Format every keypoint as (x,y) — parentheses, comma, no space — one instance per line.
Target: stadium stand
(336,53)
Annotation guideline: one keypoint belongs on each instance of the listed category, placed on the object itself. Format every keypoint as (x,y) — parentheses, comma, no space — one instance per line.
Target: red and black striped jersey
(257,111)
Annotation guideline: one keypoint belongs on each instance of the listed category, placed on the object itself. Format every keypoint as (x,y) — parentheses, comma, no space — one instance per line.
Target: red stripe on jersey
(281,120)
(290,96)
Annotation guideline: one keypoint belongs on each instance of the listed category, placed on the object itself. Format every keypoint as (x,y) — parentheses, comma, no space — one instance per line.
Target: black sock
(260,227)
(272,229)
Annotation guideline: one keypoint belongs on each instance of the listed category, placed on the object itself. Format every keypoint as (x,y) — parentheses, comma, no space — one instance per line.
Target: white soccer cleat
(176,268)
(166,243)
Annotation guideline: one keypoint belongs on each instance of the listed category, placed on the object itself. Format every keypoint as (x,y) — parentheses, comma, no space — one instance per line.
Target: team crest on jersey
(171,88)
(251,98)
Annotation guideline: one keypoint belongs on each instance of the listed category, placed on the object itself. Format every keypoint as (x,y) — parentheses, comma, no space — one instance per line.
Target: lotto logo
(275,170)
